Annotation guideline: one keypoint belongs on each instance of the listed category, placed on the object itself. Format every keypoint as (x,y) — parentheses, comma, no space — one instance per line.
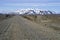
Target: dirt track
(18,28)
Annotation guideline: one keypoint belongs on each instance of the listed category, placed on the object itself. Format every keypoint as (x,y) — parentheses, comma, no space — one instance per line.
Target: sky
(12,5)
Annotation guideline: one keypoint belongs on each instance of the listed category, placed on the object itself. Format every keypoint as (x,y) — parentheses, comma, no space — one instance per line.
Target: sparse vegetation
(55,27)
(30,17)
(46,20)
(5,16)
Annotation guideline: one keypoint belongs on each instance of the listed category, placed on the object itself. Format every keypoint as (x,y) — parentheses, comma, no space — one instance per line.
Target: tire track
(22,29)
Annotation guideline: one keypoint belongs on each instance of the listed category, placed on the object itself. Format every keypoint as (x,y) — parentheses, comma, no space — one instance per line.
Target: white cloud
(25,4)
(53,4)
(32,4)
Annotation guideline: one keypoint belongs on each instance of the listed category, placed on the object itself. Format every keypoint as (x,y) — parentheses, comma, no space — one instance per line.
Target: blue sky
(12,5)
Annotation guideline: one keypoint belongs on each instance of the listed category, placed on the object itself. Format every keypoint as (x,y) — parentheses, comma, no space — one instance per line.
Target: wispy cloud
(24,4)
(32,4)
(53,4)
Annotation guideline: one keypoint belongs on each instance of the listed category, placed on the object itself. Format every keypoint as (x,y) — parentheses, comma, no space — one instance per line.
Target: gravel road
(18,28)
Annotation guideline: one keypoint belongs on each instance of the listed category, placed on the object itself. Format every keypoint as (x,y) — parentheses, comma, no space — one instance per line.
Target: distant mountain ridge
(31,11)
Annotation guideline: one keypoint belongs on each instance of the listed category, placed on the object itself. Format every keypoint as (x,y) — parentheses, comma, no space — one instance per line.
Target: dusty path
(18,28)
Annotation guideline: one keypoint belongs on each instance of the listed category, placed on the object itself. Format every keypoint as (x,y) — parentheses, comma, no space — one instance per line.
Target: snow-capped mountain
(34,11)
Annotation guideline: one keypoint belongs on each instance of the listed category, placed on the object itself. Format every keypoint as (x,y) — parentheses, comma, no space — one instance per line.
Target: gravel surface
(18,28)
